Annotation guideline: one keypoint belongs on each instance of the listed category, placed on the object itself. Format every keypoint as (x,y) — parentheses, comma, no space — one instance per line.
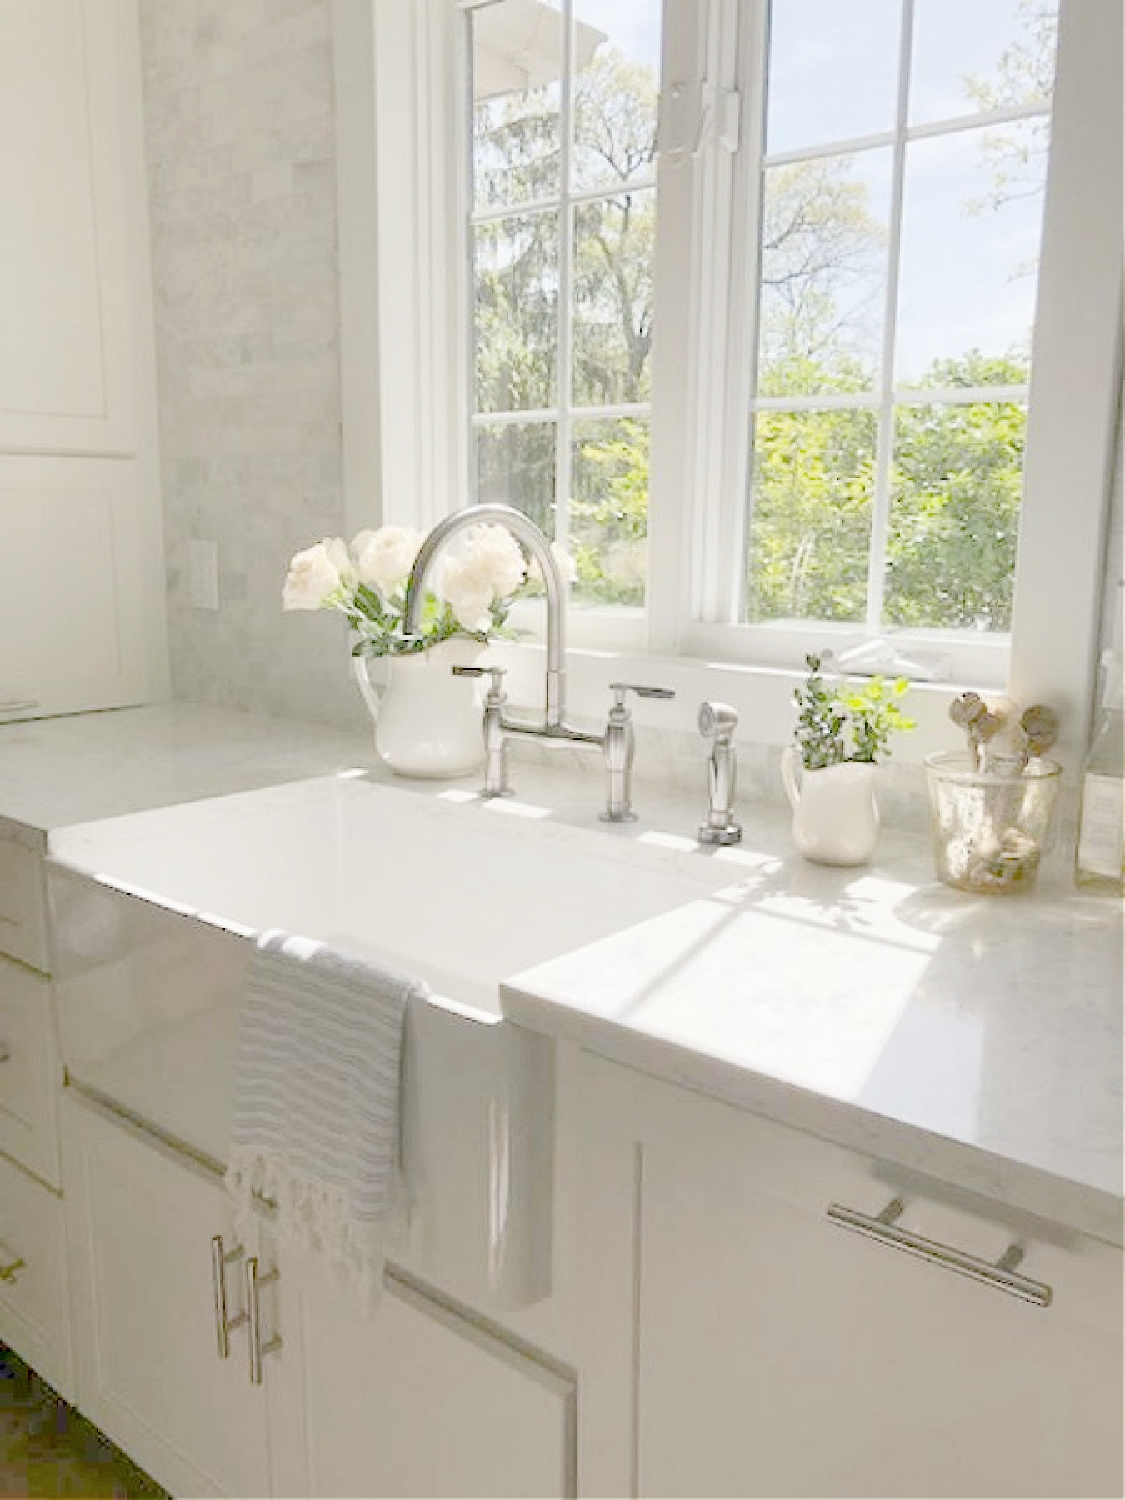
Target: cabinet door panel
(65,361)
(148,1373)
(33,1295)
(82,646)
(760,1349)
(29,1071)
(806,1359)
(803,1359)
(415,1400)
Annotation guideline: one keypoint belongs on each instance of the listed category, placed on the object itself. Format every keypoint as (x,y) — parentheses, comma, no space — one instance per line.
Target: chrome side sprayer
(717,722)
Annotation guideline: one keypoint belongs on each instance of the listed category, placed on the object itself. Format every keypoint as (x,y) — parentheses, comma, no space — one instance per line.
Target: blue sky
(964,279)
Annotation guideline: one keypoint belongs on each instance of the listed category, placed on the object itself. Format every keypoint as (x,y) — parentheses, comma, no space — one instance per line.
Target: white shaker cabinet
(69,154)
(79,480)
(140,1226)
(85,645)
(419,1398)
(741,1341)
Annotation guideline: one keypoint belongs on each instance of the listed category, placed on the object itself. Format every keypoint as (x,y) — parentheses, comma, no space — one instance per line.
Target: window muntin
(873,302)
(563,109)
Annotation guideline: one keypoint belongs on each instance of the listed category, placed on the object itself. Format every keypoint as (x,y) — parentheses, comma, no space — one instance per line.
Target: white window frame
(405,357)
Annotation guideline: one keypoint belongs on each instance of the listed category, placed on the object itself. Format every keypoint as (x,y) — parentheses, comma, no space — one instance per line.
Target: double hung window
(741,300)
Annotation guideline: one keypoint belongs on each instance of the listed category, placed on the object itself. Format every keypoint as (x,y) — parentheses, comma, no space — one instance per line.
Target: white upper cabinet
(69,131)
(81,560)
(81,619)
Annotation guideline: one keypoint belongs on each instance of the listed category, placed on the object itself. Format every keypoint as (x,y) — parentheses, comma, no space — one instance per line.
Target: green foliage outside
(955,475)
(609,522)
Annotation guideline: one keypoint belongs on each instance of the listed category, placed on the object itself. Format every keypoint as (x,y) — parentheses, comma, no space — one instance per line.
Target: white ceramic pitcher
(835,819)
(427,721)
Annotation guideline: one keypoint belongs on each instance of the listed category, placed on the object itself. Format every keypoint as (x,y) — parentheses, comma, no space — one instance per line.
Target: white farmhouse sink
(154,914)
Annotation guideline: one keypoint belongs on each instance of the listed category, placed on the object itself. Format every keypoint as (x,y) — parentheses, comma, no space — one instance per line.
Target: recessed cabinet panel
(416,1400)
(33,1294)
(23,917)
(781,1354)
(758,1347)
(72,578)
(65,368)
(28,1071)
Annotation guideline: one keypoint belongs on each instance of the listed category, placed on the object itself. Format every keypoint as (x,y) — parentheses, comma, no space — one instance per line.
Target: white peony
(384,558)
(317,573)
(495,559)
(564,562)
(467,592)
(488,566)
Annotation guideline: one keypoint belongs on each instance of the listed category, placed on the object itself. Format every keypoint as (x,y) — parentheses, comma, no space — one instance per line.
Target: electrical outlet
(203,574)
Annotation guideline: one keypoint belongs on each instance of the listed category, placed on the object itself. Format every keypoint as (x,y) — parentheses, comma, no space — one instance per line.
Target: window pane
(955,499)
(833,71)
(516,466)
(517,62)
(970,253)
(609,510)
(823,273)
(613,264)
(516,312)
(617,65)
(975,55)
(810,526)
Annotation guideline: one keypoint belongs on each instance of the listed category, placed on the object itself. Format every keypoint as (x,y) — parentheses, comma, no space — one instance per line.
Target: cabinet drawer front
(23,927)
(34,1308)
(28,1072)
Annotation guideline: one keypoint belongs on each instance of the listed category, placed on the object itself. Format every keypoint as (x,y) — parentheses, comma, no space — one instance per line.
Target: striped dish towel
(316,1125)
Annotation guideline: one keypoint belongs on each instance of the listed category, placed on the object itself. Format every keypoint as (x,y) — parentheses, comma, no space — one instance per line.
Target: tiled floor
(46,1449)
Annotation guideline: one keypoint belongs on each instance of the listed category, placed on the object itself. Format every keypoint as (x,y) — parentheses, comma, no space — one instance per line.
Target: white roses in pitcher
(471,586)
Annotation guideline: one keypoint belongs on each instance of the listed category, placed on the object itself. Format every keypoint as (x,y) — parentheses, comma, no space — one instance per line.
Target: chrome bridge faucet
(617,743)
(526,532)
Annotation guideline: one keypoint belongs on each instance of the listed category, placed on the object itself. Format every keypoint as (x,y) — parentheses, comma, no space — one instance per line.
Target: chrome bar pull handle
(5,1052)
(1000,1274)
(220,1260)
(258,1350)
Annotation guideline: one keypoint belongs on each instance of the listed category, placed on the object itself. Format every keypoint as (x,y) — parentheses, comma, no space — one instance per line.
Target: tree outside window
(888,421)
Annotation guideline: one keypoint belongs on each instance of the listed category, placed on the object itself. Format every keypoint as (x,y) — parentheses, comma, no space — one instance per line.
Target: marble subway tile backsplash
(240,141)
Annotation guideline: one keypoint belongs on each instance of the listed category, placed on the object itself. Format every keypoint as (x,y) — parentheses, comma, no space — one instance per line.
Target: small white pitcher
(835,819)
(427,721)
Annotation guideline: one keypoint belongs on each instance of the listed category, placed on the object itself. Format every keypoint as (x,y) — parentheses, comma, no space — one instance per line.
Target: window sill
(762,696)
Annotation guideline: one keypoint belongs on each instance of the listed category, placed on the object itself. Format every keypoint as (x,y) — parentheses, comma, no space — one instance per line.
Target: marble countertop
(54,772)
(974,1039)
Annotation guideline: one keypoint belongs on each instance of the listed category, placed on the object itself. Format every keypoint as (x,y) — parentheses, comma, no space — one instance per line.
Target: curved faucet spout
(525,531)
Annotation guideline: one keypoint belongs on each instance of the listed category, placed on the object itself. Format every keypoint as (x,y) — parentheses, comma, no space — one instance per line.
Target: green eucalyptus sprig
(839,723)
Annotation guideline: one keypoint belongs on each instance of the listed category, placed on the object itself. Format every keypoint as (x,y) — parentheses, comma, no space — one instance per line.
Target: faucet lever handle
(619,689)
(496,687)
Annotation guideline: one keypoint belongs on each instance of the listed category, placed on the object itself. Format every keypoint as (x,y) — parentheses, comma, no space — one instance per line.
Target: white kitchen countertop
(54,772)
(974,1039)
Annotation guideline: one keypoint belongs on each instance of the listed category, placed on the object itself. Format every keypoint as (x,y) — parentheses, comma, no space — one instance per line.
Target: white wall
(240,142)
(1115,545)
